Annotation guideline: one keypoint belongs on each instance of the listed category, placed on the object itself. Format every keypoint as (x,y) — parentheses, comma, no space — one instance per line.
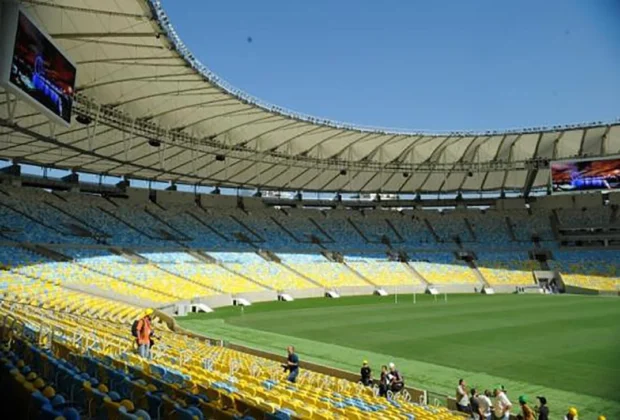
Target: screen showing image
(41,71)
(585,175)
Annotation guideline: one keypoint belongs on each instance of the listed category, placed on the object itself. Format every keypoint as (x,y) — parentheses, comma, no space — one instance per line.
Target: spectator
(292,364)
(144,331)
(543,410)
(485,403)
(384,381)
(397,382)
(526,412)
(572,414)
(366,374)
(502,405)
(474,405)
(462,402)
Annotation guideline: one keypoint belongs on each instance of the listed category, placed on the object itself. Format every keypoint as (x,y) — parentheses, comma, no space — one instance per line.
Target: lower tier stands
(385,273)
(99,375)
(506,269)
(329,274)
(443,268)
(590,269)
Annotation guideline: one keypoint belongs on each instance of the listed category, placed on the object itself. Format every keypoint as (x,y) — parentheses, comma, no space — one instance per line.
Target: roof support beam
(87,10)
(104,35)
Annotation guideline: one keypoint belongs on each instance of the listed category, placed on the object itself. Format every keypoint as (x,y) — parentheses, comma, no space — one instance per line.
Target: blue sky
(421,65)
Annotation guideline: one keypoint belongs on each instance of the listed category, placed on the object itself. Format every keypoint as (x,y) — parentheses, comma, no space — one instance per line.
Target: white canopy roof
(137,81)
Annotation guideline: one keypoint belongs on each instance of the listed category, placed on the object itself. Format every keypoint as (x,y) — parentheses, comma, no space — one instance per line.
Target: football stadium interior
(268,215)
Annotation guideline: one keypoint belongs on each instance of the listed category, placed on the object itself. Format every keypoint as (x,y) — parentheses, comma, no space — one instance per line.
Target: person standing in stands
(397,383)
(572,414)
(543,410)
(144,333)
(366,374)
(502,405)
(292,364)
(462,401)
(484,400)
(474,404)
(384,381)
(526,412)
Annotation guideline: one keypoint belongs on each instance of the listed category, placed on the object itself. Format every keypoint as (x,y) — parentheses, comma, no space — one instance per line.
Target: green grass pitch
(566,348)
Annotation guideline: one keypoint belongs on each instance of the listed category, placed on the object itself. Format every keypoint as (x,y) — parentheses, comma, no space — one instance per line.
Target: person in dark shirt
(366,374)
(384,381)
(474,405)
(292,364)
(543,410)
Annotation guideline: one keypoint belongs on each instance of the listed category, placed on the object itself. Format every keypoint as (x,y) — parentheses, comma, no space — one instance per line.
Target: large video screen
(41,71)
(585,175)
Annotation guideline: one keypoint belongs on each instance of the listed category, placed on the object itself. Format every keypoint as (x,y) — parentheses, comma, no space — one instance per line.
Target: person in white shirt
(462,399)
(484,401)
(502,405)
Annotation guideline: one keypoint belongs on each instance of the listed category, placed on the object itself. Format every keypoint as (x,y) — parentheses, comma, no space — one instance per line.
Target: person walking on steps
(144,331)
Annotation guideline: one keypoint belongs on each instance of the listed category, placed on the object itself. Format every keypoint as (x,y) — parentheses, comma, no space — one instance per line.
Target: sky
(419,65)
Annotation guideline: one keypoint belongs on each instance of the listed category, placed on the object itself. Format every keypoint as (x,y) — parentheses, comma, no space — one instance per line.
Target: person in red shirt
(145,330)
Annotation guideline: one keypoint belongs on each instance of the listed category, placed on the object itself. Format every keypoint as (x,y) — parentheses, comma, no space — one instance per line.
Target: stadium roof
(138,82)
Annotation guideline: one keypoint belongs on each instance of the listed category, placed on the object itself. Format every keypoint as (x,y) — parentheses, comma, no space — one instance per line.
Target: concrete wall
(135,196)
(356,291)
(266,296)
(170,199)
(413,288)
(459,288)
(218,201)
(306,293)
(216,301)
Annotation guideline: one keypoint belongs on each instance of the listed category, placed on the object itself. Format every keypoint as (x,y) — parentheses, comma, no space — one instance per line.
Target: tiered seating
(272,234)
(590,269)
(337,225)
(525,225)
(589,217)
(449,225)
(385,273)
(298,223)
(28,205)
(317,268)
(506,268)
(211,382)
(197,233)
(91,210)
(72,274)
(489,227)
(375,227)
(214,276)
(147,276)
(443,268)
(413,229)
(17,288)
(271,274)
(139,219)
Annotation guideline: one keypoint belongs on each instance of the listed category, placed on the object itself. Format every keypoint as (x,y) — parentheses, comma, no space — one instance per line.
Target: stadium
(489,256)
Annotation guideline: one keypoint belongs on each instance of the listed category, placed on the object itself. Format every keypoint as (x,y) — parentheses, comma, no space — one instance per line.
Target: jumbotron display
(38,70)
(585,175)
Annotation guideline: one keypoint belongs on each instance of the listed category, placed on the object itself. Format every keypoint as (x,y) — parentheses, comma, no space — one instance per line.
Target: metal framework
(149,109)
